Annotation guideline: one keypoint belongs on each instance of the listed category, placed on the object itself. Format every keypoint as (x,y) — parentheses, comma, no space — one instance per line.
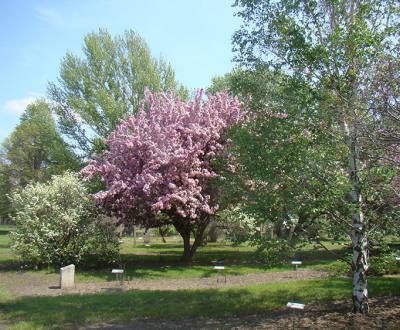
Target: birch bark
(359,233)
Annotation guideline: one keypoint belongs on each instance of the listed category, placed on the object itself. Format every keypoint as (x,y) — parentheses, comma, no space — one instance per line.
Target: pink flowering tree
(158,168)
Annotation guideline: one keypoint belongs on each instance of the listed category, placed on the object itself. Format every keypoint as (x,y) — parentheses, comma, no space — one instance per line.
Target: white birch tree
(332,46)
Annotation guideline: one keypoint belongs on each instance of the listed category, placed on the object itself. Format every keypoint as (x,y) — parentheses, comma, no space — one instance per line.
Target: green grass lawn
(162,260)
(62,311)
(6,257)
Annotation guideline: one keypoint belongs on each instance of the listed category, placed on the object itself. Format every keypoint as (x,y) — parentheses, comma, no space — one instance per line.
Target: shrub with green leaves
(382,256)
(56,224)
(275,251)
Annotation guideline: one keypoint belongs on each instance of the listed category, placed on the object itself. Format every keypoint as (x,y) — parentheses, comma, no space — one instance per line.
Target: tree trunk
(271,231)
(359,234)
(198,238)
(162,233)
(291,232)
(187,255)
(213,232)
(184,230)
(360,265)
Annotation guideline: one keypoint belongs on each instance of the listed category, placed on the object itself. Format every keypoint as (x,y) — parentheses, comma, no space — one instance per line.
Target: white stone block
(67,277)
(295,305)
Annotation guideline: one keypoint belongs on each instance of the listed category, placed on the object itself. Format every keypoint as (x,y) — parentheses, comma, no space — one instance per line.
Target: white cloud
(50,15)
(17,106)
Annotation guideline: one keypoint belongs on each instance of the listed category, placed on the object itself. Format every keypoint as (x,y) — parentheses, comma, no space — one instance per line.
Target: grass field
(162,260)
(47,312)
(6,257)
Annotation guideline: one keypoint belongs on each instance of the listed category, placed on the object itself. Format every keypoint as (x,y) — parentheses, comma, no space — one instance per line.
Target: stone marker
(67,277)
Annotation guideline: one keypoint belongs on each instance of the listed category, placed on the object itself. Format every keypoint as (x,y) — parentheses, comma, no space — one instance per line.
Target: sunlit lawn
(162,260)
(71,311)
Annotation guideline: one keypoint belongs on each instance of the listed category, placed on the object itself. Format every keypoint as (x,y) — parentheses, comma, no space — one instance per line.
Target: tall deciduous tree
(331,46)
(33,152)
(107,85)
(280,181)
(161,161)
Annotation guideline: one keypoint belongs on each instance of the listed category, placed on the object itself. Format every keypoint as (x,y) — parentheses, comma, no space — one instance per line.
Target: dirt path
(28,284)
(384,314)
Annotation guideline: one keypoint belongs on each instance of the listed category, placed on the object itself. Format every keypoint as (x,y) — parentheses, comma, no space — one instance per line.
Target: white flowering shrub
(239,226)
(56,224)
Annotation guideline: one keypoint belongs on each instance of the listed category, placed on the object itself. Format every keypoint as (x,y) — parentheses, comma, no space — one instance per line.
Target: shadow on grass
(169,271)
(9,264)
(322,255)
(77,310)
(168,264)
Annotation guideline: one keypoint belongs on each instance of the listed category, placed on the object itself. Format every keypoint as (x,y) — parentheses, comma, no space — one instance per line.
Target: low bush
(274,252)
(57,224)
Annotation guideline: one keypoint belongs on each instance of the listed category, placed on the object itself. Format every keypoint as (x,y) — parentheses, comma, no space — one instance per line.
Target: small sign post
(296,263)
(220,269)
(294,306)
(119,274)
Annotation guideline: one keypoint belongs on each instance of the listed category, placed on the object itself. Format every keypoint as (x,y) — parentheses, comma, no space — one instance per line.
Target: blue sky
(193,35)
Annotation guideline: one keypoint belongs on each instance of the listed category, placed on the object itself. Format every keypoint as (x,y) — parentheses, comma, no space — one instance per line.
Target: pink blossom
(161,158)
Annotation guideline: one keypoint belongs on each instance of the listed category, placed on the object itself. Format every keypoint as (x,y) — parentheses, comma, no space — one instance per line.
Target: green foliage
(34,149)
(5,188)
(56,225)
(32,153)
(383,257)
(384,264)
(238,225)
(96,92)
(274,252)
(288,166)
(314,62)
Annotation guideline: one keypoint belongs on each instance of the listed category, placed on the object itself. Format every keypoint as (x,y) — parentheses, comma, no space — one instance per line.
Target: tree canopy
(33,152)
(161,161)
(331,47)
(96,91)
